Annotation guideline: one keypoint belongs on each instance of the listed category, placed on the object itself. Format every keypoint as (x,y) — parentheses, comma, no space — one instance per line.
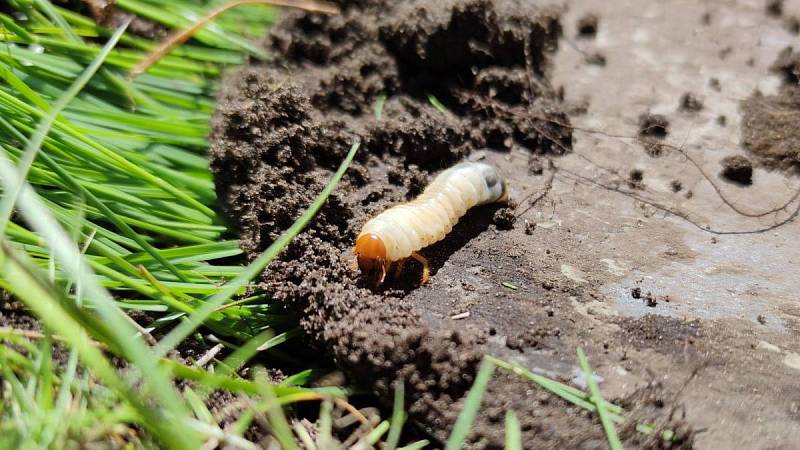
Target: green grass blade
(568,393)
(513,432)
(32,148)
(241,355)
(186,328)
(38,296)
(376,434)
(473,402)
(416,445)
(398,417)
(277,420)
(437,104)
(378,108)
(597,399)
(70,257)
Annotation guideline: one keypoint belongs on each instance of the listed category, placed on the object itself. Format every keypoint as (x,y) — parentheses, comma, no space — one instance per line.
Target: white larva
(401,231)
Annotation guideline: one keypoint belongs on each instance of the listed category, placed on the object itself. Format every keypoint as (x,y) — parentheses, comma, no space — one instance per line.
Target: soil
(711,343)
(691,102)
(737,169)
(770,122)
(587,26)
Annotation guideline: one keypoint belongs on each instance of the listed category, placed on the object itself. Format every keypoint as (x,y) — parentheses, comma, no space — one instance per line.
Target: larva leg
(426,267)
(398,268)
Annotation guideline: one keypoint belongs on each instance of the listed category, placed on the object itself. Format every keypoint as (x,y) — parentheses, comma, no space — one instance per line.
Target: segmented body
(409,227)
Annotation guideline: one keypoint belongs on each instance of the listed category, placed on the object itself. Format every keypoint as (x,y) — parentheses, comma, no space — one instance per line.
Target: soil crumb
(587,26)
(636,179)
(769,123)
(792,25)
(653,125)
(369,74)
(788,65)
(596,59)
(691,102)
(737,169)
(653,128)
(504,218)
(774,8)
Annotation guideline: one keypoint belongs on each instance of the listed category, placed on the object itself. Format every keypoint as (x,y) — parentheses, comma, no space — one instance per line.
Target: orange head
(371,254)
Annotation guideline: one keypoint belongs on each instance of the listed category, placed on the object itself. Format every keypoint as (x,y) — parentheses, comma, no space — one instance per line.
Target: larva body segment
(407,228)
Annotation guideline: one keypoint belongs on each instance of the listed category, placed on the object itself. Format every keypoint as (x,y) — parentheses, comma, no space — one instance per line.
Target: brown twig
(182,36)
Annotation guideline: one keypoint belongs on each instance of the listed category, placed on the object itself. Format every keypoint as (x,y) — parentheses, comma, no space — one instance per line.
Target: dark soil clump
(653,125)
(636,179)
(788,65)
(653,128)
(282,127)
(691,102)
(769,123)
(792,25)
(504,218)
(774,8)
(596,59)
(737,169)
(587,26)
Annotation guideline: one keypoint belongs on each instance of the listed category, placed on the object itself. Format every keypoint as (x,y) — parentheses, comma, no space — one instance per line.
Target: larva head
(371,254)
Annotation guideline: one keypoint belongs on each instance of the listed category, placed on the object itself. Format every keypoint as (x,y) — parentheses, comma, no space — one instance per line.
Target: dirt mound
(420,84)
(769,123)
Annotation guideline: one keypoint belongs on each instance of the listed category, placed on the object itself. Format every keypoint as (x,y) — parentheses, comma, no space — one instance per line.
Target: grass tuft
(599,403)
(471,405)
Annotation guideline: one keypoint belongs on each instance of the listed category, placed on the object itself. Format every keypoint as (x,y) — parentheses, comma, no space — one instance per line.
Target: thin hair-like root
(182,36)
(516,111)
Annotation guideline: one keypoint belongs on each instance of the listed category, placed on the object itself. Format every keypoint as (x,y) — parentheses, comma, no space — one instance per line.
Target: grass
(108,209)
